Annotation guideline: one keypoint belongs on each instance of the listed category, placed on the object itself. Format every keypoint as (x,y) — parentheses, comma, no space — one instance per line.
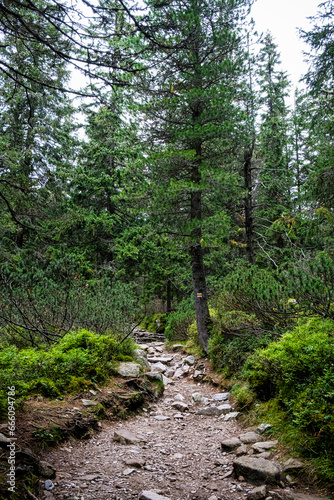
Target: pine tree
(274,178)
(188,99)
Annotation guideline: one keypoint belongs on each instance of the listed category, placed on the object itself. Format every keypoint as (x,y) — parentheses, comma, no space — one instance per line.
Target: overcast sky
(282,18)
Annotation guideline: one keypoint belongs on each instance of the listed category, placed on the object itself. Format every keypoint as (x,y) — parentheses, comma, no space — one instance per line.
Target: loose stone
(257,493)
(190,360)
(151,495)
(230,444)
(293,465)
(222,396)
(230,416)
(265,445)
(89,402)
(158,367)
(249,437)
(124,436)
(178,405)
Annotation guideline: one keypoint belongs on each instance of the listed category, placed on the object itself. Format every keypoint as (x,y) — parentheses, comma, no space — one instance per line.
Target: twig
(30,495)
(128,334)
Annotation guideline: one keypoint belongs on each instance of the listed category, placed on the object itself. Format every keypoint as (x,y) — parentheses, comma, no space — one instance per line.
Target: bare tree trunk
(248,204)
(197,262)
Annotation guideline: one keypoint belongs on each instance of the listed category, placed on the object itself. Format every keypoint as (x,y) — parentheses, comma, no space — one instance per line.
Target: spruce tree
(188,98)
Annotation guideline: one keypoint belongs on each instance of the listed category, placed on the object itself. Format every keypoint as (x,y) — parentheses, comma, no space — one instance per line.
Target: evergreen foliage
(190,186)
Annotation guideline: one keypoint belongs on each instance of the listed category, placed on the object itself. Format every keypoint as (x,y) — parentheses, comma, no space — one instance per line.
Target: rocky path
(180,448)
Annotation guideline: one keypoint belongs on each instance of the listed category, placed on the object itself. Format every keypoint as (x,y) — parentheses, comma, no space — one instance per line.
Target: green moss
(154,323)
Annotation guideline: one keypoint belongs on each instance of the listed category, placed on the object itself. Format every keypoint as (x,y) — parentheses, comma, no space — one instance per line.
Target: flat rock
(233,415)
(179,397)
(178,405)
(160,359)
(158,367)
(250,437)
(257,493)
(230,444)
(89,402)
(161,418)
(264,445)
(154,376)
(209,411)
(221,396)
(151,495)
(90,477)
(302,496)
(127,472)
(256,470)
(225,409)
(144,347)
(128,369)
(264,454)
(138,463)
(124,436)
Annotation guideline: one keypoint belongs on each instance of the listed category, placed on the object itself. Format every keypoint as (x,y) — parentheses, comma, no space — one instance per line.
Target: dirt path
(178,457)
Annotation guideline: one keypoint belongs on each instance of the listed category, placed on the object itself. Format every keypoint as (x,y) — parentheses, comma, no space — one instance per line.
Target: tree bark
(248,205)
(196,254)
(169,297)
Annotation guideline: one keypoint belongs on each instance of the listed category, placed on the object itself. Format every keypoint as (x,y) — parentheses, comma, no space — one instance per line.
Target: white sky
(282,18)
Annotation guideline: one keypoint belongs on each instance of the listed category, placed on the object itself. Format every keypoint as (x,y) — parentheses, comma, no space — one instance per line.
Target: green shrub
(154,323)
(179,321)
(79,361)
(227,355)
(243,394)
(298,370)
(193,344)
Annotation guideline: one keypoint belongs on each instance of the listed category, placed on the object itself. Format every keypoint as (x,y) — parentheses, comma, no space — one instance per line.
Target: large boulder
(256,470)
(128,369)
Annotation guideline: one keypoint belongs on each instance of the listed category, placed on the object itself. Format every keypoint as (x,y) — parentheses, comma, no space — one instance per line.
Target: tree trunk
(169,297)
(196,254)
(248,205)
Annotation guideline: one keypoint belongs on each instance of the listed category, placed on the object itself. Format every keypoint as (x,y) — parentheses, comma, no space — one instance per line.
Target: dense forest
(152,172)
